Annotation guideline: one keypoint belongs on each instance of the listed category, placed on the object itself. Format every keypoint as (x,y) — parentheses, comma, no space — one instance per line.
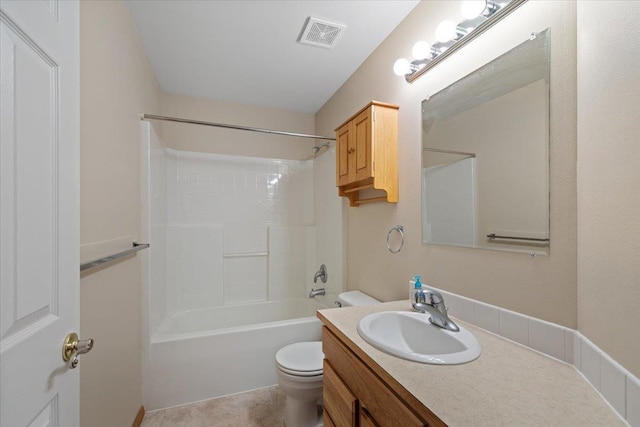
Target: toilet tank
(351,298)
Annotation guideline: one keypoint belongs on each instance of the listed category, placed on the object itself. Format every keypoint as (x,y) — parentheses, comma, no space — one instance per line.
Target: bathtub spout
(314,292)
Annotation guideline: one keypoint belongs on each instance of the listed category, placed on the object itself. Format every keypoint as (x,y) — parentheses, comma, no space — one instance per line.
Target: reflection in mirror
(485,159)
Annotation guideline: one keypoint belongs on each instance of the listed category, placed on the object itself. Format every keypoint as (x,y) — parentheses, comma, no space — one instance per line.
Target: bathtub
(201,354)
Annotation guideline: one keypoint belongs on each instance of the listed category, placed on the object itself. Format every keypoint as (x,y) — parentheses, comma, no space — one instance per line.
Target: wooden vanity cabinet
(367,154)
(366,420)
(326,420)
(354,395)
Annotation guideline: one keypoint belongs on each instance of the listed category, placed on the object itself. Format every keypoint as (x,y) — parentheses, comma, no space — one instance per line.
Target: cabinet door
(371,392)
(344,143)
(366,420)
(361,156)
(326,420)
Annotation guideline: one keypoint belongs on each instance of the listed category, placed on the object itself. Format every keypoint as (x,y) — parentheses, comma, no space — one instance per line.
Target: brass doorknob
(72,347)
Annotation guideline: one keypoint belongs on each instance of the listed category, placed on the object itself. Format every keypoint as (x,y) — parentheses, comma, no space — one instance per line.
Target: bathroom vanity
(508,384)
(356,395)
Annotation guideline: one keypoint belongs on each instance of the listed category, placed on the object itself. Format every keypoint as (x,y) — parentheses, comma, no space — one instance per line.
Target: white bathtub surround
(238,229)
(190,360)
(292,259)
(245,239)
(233,251)
(245,279)
(615,384)
(254,190)
(245,253)
(330,232)
(226,230)
(193,264)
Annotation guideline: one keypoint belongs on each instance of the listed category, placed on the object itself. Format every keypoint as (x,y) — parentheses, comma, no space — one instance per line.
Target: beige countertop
(508,385)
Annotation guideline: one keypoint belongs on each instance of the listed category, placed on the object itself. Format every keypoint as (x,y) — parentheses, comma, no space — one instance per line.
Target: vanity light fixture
(479,16)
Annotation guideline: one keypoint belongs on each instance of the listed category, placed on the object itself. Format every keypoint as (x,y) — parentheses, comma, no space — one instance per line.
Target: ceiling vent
(321,33)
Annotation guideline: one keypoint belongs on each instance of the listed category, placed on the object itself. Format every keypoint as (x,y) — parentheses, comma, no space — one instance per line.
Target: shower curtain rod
(227,126)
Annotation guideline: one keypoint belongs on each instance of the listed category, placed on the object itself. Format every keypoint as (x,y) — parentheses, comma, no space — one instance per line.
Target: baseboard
(138,421)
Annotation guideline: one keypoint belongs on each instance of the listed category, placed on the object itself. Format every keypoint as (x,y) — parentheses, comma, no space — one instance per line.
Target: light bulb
(473,8)
(446,31)
(401,67)
(421,50)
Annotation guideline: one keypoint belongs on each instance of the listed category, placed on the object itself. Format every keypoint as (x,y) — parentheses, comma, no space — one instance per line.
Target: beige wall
(229,141)
(544,287)
(117,84)
(609,178)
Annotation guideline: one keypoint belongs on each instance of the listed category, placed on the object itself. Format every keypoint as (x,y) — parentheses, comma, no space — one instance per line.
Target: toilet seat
(302,359)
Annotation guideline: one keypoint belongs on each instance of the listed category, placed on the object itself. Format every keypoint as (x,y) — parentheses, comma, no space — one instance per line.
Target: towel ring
(399,229)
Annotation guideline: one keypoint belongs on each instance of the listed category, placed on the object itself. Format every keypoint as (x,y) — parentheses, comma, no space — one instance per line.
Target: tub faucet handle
(322,274)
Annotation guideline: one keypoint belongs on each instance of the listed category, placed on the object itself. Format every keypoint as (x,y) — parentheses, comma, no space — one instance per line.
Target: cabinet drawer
(373,394)
(338,400)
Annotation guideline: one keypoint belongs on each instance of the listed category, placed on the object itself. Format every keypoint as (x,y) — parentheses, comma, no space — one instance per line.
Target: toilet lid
(302,358)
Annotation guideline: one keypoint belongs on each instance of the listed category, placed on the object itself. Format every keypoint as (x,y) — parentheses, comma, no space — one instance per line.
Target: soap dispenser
(414,285)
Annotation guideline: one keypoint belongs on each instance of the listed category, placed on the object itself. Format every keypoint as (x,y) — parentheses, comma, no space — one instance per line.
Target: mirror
(485,158)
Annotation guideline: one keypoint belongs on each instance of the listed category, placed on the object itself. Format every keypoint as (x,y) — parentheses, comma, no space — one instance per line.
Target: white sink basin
(411,336)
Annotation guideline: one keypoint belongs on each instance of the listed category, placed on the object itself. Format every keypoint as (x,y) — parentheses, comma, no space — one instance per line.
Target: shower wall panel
(245,279)
(233,190)
(194,265)
(245,263)
(330,234)
(238,229)
(292,255)
(245,239)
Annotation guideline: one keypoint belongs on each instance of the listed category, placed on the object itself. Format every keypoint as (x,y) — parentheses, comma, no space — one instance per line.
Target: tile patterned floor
(258,408)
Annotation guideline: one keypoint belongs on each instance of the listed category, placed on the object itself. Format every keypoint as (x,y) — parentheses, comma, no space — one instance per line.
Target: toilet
(299,372)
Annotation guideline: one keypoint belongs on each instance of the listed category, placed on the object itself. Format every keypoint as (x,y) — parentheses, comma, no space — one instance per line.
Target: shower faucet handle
(322,274)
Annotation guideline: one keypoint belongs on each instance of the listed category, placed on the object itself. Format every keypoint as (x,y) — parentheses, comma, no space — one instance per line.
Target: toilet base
(299,372)
(303,405)
(302,414)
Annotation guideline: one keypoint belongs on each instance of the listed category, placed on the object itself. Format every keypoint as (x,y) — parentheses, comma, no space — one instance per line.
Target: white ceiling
(247,51)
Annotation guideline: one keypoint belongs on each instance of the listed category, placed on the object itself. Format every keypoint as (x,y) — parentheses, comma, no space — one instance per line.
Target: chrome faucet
(314,292)
(431,301)
(322,274)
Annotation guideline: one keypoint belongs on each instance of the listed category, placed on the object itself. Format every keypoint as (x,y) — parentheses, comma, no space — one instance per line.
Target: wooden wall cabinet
(355,396)
(367,154)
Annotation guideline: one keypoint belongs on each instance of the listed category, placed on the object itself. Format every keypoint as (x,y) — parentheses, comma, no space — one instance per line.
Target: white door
(39,211)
